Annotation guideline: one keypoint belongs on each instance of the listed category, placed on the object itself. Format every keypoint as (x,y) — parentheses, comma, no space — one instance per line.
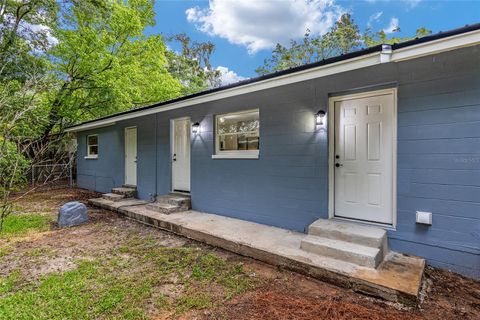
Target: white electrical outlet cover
(424,217)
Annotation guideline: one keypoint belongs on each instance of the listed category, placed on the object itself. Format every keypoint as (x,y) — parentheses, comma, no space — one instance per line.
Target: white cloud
(31,31)
(228,76)
(392,26)
(44,30)
(374,18)
(260,25)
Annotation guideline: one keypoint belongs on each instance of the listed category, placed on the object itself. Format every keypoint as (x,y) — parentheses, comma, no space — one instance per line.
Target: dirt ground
(279,294)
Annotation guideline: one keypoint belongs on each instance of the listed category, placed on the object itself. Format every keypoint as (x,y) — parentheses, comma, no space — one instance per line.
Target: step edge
(335,234)
(349,231)
(322,241)
(369,260)
(350,226)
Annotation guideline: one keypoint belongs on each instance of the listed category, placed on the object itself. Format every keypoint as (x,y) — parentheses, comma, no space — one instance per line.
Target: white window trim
(234,154)
(91,156)
(246,154)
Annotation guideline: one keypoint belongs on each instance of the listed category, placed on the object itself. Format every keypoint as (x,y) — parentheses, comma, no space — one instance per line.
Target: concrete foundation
(398,278)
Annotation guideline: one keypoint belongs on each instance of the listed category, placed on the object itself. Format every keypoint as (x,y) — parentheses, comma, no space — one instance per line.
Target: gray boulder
(72,214)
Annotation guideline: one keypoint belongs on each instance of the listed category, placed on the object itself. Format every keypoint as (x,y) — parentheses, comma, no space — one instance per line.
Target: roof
(443,41)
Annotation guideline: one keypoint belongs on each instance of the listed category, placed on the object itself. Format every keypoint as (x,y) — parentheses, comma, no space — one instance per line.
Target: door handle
(338,165)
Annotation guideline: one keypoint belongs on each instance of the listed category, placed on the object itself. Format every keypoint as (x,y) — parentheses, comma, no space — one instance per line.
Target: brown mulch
(49,201)
(448,296)
(292,296)
(279,305)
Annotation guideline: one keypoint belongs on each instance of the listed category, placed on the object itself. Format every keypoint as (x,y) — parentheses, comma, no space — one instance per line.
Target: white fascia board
(93,125)
(437,46)
(432,47)
(321,71)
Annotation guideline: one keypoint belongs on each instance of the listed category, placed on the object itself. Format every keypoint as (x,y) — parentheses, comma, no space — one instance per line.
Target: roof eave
(451,40)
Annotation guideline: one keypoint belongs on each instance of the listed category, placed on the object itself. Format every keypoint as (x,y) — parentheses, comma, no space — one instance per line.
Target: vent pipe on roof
(386,54)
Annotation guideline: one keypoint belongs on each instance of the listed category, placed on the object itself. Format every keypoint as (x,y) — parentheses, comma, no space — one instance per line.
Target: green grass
(6,250)
(125,284)
(21,224)
(87,292)
(194,300)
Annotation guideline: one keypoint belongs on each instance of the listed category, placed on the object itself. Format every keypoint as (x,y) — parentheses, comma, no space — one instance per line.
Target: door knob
(338,165)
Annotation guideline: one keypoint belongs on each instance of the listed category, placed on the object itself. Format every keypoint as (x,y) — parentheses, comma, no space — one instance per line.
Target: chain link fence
(52,175)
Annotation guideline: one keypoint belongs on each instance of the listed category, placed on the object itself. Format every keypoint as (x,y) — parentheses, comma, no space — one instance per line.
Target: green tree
(24,79)
(104,63)
(345,34)
(62,62)
(380,37)
(342,38)
(192,65)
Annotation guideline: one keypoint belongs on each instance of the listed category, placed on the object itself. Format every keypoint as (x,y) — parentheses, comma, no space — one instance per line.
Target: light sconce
(320,118)
(196,128)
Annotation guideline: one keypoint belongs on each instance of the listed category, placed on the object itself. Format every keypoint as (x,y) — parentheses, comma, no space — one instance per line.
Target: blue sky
(244,31)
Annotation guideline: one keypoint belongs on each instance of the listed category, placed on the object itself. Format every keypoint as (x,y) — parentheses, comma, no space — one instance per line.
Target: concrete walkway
(397,279)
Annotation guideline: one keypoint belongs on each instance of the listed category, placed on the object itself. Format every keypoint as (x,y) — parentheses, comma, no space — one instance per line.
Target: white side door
(131,156)
(181,155)
(364,131)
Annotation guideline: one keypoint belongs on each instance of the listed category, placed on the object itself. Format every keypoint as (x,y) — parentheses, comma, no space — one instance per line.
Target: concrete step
(350,232)
(164,208)
(113,196)
(128,192)
(341,250)
(176,199)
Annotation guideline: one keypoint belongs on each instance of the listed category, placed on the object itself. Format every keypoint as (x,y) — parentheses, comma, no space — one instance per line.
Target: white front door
(363,158)
(131,156)
(181,155)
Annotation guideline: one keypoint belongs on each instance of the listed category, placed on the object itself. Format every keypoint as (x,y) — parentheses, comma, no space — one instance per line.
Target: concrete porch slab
(115,205)
(397,279)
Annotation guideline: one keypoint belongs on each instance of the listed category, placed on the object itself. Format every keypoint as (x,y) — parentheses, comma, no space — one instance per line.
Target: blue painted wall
(438,155)
(106,172)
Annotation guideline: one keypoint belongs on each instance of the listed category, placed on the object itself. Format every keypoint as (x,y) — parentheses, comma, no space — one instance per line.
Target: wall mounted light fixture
(320,118)
(196,128)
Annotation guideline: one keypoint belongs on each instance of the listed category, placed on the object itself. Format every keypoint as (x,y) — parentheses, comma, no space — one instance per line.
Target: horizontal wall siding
(108,170)
(105,172)
(285,187)
(438,160)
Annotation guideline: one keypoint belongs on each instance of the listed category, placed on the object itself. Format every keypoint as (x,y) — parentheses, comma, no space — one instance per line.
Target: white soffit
(432,47)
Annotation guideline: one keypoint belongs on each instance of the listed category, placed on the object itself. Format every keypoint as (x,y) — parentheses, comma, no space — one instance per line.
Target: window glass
(92,146)
(93,150)
(238,131)
(93,140)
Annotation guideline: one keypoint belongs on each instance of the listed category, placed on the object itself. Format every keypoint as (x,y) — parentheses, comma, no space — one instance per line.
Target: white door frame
(331,151)
(125,153)
(172,147)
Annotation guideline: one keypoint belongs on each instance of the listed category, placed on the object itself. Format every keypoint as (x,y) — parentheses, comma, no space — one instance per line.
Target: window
(92,146)
(237,135)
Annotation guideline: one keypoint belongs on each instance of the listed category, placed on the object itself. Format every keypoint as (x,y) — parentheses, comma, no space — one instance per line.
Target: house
(388,136)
